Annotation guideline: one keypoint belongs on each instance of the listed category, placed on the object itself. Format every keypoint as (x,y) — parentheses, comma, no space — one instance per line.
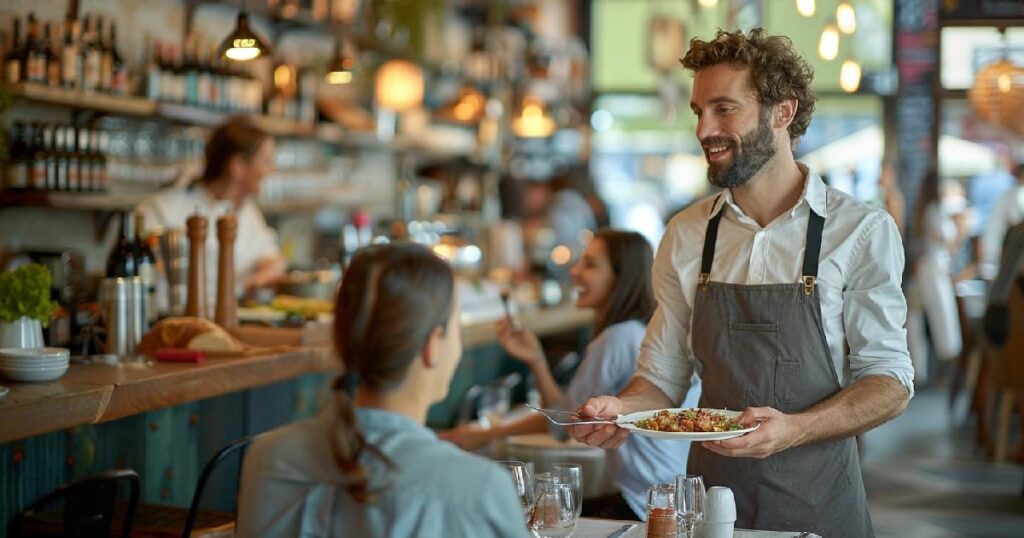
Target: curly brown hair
(777,72)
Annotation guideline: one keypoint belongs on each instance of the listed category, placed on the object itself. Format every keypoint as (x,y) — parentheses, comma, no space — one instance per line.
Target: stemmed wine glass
(690,496)
(523,483)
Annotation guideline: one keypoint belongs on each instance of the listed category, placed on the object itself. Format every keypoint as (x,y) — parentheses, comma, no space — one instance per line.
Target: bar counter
(165,419)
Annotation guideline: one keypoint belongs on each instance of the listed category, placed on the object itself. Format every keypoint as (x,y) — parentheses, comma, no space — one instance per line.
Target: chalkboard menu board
(954,11)
(916,29)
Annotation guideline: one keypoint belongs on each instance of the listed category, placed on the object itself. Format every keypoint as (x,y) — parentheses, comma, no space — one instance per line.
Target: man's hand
(778,432)
(600,435)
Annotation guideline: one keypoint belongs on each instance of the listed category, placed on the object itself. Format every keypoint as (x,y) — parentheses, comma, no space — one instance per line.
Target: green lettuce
(25,291)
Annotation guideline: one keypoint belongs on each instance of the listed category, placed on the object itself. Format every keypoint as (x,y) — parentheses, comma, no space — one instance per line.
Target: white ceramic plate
(33,375)
(683,436)
(35,352)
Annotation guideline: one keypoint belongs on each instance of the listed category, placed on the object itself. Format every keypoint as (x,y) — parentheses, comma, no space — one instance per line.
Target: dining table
(588,527)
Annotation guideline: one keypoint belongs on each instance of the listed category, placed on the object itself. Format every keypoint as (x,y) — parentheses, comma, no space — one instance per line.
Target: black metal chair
(89,508)
(221,455)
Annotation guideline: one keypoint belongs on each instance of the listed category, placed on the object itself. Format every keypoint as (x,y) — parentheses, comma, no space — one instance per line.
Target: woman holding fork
(612,278)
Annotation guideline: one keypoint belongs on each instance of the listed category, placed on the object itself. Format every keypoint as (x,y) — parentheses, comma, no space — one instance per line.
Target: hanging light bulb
(846,17)
(708,3)
(242,44)
(340,69)
(533,120)
(805,7)
(399,85)
(849,76)
(828,45)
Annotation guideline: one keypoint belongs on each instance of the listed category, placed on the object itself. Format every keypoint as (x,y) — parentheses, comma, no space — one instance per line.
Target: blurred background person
(1006,212)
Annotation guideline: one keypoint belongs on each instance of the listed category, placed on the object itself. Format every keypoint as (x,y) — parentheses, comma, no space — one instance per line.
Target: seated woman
(613,279)
(367,466)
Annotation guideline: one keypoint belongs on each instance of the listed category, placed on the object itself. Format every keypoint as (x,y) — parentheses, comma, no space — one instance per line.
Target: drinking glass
(572,474)
(523,483)
(661,511)
(690,497)
(554,514)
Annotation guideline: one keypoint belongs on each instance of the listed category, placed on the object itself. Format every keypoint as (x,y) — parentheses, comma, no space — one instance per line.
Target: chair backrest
(88,505)
(197,497)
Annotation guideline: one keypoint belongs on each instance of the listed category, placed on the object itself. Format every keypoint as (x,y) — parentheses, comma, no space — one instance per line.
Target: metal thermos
(123,302)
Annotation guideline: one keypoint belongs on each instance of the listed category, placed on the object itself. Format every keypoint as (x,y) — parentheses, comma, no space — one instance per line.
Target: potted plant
(25,306)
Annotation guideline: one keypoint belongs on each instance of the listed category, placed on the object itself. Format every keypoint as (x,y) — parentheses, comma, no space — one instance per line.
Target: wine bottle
(12,59)
(50,33)
(92,58)
(146,263)
(106,58)
(70,58)
(71,159)
(118,68)
(122,261)
(35,53)
(16,170)
(37,179)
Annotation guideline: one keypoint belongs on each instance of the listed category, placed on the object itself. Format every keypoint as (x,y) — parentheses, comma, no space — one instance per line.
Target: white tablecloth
(600,528)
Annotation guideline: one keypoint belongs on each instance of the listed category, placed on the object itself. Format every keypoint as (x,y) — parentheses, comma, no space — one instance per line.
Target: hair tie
(348,382)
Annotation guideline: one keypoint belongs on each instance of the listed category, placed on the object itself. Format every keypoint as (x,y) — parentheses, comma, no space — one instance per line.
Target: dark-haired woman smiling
(613,279)
(368,466)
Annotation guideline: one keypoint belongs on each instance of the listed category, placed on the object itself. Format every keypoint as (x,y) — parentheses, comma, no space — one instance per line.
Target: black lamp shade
(243,44)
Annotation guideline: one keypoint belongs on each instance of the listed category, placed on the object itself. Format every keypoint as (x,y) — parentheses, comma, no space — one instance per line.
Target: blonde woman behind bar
(367,466)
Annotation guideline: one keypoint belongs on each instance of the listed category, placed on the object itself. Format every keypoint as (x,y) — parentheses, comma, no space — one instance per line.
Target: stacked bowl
(33,364)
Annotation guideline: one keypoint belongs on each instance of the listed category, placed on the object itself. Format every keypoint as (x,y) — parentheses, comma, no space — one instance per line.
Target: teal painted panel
(29,469)
(170,452)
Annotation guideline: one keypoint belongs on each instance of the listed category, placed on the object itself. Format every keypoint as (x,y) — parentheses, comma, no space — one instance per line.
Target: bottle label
(35,68)
(69,66)
(74,177)
(38,179)
(119,82)
(106,72)
(91,76)
(12,71)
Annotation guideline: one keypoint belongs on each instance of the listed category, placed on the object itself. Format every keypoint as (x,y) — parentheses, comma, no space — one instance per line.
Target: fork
(553,414)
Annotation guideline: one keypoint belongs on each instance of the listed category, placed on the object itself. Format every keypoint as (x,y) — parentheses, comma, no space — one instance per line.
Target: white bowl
(33,375)
(34,352)
(34,363)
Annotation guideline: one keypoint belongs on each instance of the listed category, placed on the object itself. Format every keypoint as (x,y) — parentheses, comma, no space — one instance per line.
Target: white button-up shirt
(254,240)
(859,282)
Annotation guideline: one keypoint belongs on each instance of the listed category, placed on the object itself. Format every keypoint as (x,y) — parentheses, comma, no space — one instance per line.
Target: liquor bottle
(60,159)
(92,58)
(50,33)
(35,53)
(153,69)
(12,59)
(205,83)
(50,139)
(70,57)
(72,159)
(106,58)
(122,261)
(119,70)
(37,179)
(190,71)
(146,264)
(85,161)
(101,173)
(16,169)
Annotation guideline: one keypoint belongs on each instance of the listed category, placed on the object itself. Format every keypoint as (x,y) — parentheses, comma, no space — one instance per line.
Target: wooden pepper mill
(227,229)
(196,303)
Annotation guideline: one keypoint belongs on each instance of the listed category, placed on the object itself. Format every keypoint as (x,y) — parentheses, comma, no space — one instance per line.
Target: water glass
(523,484)
(572,474)
(661,511)
(690,496)
(554,513)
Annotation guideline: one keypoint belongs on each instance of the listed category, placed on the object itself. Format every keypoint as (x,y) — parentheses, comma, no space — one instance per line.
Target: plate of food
(695,424)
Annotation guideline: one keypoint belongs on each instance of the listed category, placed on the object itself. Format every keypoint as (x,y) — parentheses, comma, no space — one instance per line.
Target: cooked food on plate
(689,420)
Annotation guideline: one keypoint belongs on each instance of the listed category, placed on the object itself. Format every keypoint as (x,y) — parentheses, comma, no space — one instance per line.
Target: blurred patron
(1007,211)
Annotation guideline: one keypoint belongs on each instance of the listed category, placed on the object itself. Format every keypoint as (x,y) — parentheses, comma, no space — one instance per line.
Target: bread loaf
(187,333)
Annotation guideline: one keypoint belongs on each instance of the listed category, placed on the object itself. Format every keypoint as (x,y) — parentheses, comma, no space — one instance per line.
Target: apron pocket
(787,382)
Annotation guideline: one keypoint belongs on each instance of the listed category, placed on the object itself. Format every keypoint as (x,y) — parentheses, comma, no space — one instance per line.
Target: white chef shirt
(859,277)
(254,240)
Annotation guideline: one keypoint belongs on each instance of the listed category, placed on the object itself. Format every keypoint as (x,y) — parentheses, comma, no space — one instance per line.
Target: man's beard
(753,151)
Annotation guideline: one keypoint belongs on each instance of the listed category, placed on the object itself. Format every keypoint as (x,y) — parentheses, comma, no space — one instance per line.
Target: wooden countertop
(94,393)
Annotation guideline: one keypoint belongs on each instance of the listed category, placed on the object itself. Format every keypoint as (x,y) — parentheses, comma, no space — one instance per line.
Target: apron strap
(710,237)
(812,250)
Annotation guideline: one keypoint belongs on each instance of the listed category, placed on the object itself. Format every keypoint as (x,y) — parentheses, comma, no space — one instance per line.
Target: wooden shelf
(93,201)
(117,104)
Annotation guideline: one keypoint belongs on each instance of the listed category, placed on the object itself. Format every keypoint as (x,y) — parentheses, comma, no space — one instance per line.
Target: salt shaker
(720,513)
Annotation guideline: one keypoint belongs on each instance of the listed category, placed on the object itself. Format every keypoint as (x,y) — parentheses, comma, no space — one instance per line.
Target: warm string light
(399,85)
(805,7)
(846,18)
(533,120)
(828,45)
(849,76)
(708,3)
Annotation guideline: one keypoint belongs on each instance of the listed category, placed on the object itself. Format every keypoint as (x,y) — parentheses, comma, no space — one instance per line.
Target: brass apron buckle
(703,280)
(809,284)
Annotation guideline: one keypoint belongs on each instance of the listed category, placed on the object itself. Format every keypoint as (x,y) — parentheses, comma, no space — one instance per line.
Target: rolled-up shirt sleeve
(665,357)
(874,307)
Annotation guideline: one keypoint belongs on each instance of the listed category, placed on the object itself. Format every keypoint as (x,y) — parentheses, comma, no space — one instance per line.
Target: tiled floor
(925,478)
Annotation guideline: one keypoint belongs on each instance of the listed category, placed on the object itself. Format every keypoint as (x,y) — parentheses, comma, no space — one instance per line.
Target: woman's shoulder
(628,334)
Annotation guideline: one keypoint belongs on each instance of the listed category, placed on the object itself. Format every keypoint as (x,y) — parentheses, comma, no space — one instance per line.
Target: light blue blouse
(608,364)
(290,486)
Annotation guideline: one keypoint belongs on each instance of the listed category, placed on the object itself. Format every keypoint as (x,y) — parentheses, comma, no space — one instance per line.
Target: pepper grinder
(196,303)
(227,229)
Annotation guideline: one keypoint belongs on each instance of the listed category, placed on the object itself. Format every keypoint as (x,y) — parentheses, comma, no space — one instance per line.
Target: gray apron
(764,345)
